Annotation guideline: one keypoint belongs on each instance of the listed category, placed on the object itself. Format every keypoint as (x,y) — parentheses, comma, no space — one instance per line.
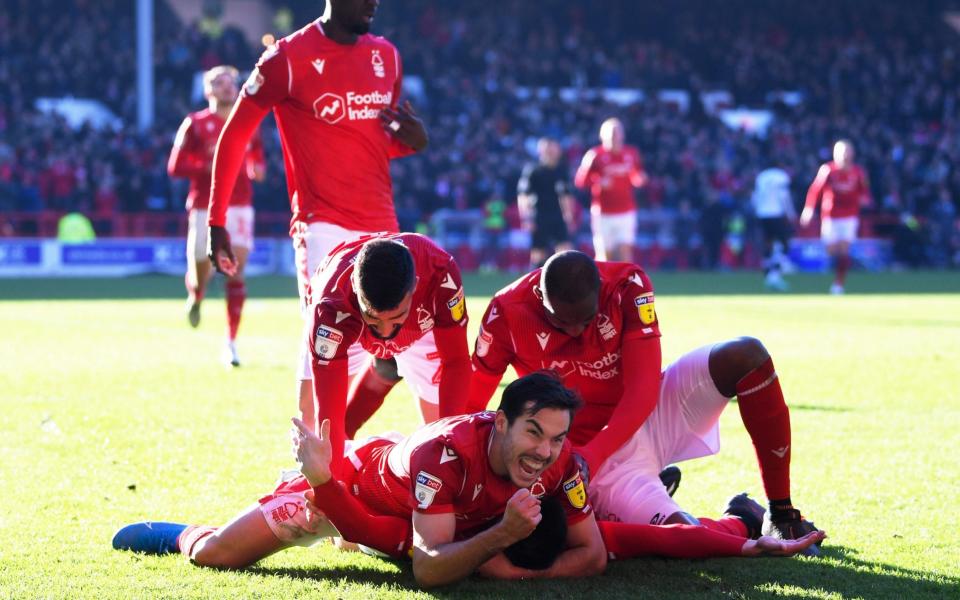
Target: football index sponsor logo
(601,369)
(332,108)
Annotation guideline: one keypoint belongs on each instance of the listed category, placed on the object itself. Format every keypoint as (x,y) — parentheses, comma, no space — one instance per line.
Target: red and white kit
(841,193)
(611,177)
(441,468)
(192,158)
(624,481)
(433,333)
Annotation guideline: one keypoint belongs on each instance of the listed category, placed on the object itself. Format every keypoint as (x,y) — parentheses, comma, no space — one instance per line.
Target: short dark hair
(541,389)
(385,273)
(541,548)
(569,277)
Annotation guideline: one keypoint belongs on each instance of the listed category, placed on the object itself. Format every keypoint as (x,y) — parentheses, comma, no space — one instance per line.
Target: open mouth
(530,467)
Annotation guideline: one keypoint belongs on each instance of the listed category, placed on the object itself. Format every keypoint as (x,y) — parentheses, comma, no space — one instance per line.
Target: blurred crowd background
(488,78)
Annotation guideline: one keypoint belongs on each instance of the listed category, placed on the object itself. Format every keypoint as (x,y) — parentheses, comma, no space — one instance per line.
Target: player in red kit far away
(595,324)
(611,171)
(457,496)
(843,188)
(334,90)
(393,295)
(192,157)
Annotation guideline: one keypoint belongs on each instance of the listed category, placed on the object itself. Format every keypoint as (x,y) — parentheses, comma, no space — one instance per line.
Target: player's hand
(521,516)
(312,451)
(220,251)
(404,124)
(315,517)
(805,217)
(770,546)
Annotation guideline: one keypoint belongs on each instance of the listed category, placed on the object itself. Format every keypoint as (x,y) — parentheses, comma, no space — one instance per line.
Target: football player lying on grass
(433,495)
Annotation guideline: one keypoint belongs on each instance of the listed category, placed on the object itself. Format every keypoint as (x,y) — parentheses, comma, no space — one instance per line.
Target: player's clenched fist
(313,452)
(521,516)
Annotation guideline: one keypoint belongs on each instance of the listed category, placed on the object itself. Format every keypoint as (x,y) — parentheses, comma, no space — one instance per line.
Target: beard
(393,334)
(360,28)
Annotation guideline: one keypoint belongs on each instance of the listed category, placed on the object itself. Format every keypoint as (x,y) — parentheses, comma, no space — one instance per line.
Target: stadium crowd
(879,73)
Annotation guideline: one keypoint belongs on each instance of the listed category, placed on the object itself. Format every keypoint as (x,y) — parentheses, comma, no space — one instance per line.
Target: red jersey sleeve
(572,493)
(332,333)
(638,177)
(436,476)
(586,172)
(184,160)
(493,351)
(269,82)
(451,304)
(816,188)
(255,156)
(637,304)
(397,148)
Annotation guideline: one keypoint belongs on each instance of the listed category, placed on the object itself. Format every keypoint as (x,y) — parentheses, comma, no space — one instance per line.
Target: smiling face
(354,16)
(385,324)
(526,448)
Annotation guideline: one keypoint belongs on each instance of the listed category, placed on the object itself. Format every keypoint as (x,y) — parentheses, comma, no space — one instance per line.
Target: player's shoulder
(520,291)
(454,438)
(306,39)
(378,41)
(615,275)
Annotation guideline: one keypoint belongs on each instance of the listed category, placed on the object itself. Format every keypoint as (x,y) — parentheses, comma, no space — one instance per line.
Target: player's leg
(240,221)
(420,366)
(374,380)
(199,269)
(624,235)
(597,230)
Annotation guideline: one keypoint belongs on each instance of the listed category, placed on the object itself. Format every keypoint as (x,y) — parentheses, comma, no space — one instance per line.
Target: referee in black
(545,203)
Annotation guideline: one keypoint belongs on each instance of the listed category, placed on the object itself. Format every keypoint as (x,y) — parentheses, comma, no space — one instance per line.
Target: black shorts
(776,228)
(549,235)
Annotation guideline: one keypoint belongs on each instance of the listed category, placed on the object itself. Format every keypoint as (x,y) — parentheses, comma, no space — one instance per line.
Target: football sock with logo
(191,535)
(236,295)
(767,419)
(366,396)
(629,540)
(387,534)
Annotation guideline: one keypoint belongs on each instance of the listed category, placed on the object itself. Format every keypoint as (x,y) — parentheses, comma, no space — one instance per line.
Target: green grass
(113,411)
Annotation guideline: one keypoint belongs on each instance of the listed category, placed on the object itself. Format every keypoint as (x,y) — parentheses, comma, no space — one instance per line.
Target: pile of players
(577,451)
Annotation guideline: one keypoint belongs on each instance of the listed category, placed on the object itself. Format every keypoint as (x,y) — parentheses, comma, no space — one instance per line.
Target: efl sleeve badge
(576,493)
(644,304)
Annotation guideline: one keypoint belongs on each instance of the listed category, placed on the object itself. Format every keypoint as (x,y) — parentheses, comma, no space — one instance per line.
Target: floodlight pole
(144,64)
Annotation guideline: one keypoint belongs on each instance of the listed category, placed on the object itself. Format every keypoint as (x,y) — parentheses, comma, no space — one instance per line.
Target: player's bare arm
(403,123)
(438,560)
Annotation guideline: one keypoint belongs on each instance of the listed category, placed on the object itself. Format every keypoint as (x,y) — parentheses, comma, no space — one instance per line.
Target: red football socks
(629,540)
(236,295)
(767,419)
(366,396)
(189,537)
(843,265)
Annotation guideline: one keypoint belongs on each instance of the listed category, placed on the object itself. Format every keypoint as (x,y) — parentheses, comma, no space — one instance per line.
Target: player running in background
(612,170)
(391,295)
(843,187)
(334,89)
(434,495)
(596,325)
(546,206)
(192,158)
(774,209)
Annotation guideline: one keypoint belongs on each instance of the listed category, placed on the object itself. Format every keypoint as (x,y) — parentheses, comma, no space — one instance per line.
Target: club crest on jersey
(457,305)
(377,62)
(483,342)
(537,488)
(606,328)
(644,303)
(575,491)
(327,342)
(426,488)
(424,319)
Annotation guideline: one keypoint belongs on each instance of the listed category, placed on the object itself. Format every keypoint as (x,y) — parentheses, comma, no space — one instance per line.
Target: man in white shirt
(774,209)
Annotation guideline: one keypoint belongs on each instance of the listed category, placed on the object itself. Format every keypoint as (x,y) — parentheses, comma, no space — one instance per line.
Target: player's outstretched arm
(438,560)
(813,195)
(455,369)
(771,546)
(227,161)
(584,556)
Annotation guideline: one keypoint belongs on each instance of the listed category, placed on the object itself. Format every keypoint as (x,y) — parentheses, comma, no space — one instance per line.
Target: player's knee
(731,361)
(387,368)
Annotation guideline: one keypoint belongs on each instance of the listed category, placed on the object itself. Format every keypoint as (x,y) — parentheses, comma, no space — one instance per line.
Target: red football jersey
(843,191)
(515,331)
(192,158)
(326,98)
(438,300)
(611,177)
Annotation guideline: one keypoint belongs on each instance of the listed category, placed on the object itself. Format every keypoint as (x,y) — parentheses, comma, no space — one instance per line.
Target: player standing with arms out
(843,187)
(596,325)
(333,88)
(612,170)
(545,203)
(774,210)
(192,157)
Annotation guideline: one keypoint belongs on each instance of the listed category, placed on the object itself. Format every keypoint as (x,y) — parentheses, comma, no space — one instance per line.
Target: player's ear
(500,422)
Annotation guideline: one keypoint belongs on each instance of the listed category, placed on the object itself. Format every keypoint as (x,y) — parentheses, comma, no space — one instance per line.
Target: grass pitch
(114,411)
